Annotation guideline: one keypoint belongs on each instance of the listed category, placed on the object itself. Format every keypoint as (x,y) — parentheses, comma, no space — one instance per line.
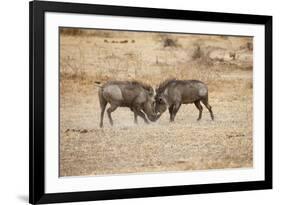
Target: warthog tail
(97,84)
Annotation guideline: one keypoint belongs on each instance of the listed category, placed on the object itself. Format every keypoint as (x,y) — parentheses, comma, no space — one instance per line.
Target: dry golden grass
(186,144)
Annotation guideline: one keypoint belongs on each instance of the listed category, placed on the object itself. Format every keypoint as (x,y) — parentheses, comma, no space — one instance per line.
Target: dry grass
(186,144)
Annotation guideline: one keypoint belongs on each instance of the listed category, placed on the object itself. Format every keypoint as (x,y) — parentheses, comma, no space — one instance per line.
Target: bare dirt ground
(186,144)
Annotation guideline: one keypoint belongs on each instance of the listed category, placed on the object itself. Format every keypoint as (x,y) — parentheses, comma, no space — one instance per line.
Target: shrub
(168,42)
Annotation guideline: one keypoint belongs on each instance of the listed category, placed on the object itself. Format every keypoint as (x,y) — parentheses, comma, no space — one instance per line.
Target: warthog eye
(160,100)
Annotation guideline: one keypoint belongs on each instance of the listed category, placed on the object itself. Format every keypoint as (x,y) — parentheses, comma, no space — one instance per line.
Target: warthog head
(161,104)
(149,106)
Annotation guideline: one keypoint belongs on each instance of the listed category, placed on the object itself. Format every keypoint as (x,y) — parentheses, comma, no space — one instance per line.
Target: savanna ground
(224,63)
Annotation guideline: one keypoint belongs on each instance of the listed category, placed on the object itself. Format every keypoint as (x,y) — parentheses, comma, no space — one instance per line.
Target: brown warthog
(137,96)
(172,93)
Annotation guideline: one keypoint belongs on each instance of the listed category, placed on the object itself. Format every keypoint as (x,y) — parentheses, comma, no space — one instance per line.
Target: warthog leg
(200,108)
(171,111)
(136,118)
(103,104)
(102,114)
(208,106)
(109,111)
(135,115)
(176,108)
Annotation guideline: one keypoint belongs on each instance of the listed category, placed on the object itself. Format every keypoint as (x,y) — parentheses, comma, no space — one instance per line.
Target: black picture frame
(37,194)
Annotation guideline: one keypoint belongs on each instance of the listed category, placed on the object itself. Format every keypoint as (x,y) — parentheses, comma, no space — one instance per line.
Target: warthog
(137,96)
(172,93)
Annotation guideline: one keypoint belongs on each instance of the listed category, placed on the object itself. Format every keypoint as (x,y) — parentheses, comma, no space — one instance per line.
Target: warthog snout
(154,117)
(160,105)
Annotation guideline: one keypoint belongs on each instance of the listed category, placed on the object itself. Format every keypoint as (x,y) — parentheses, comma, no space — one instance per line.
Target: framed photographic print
(140,102)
